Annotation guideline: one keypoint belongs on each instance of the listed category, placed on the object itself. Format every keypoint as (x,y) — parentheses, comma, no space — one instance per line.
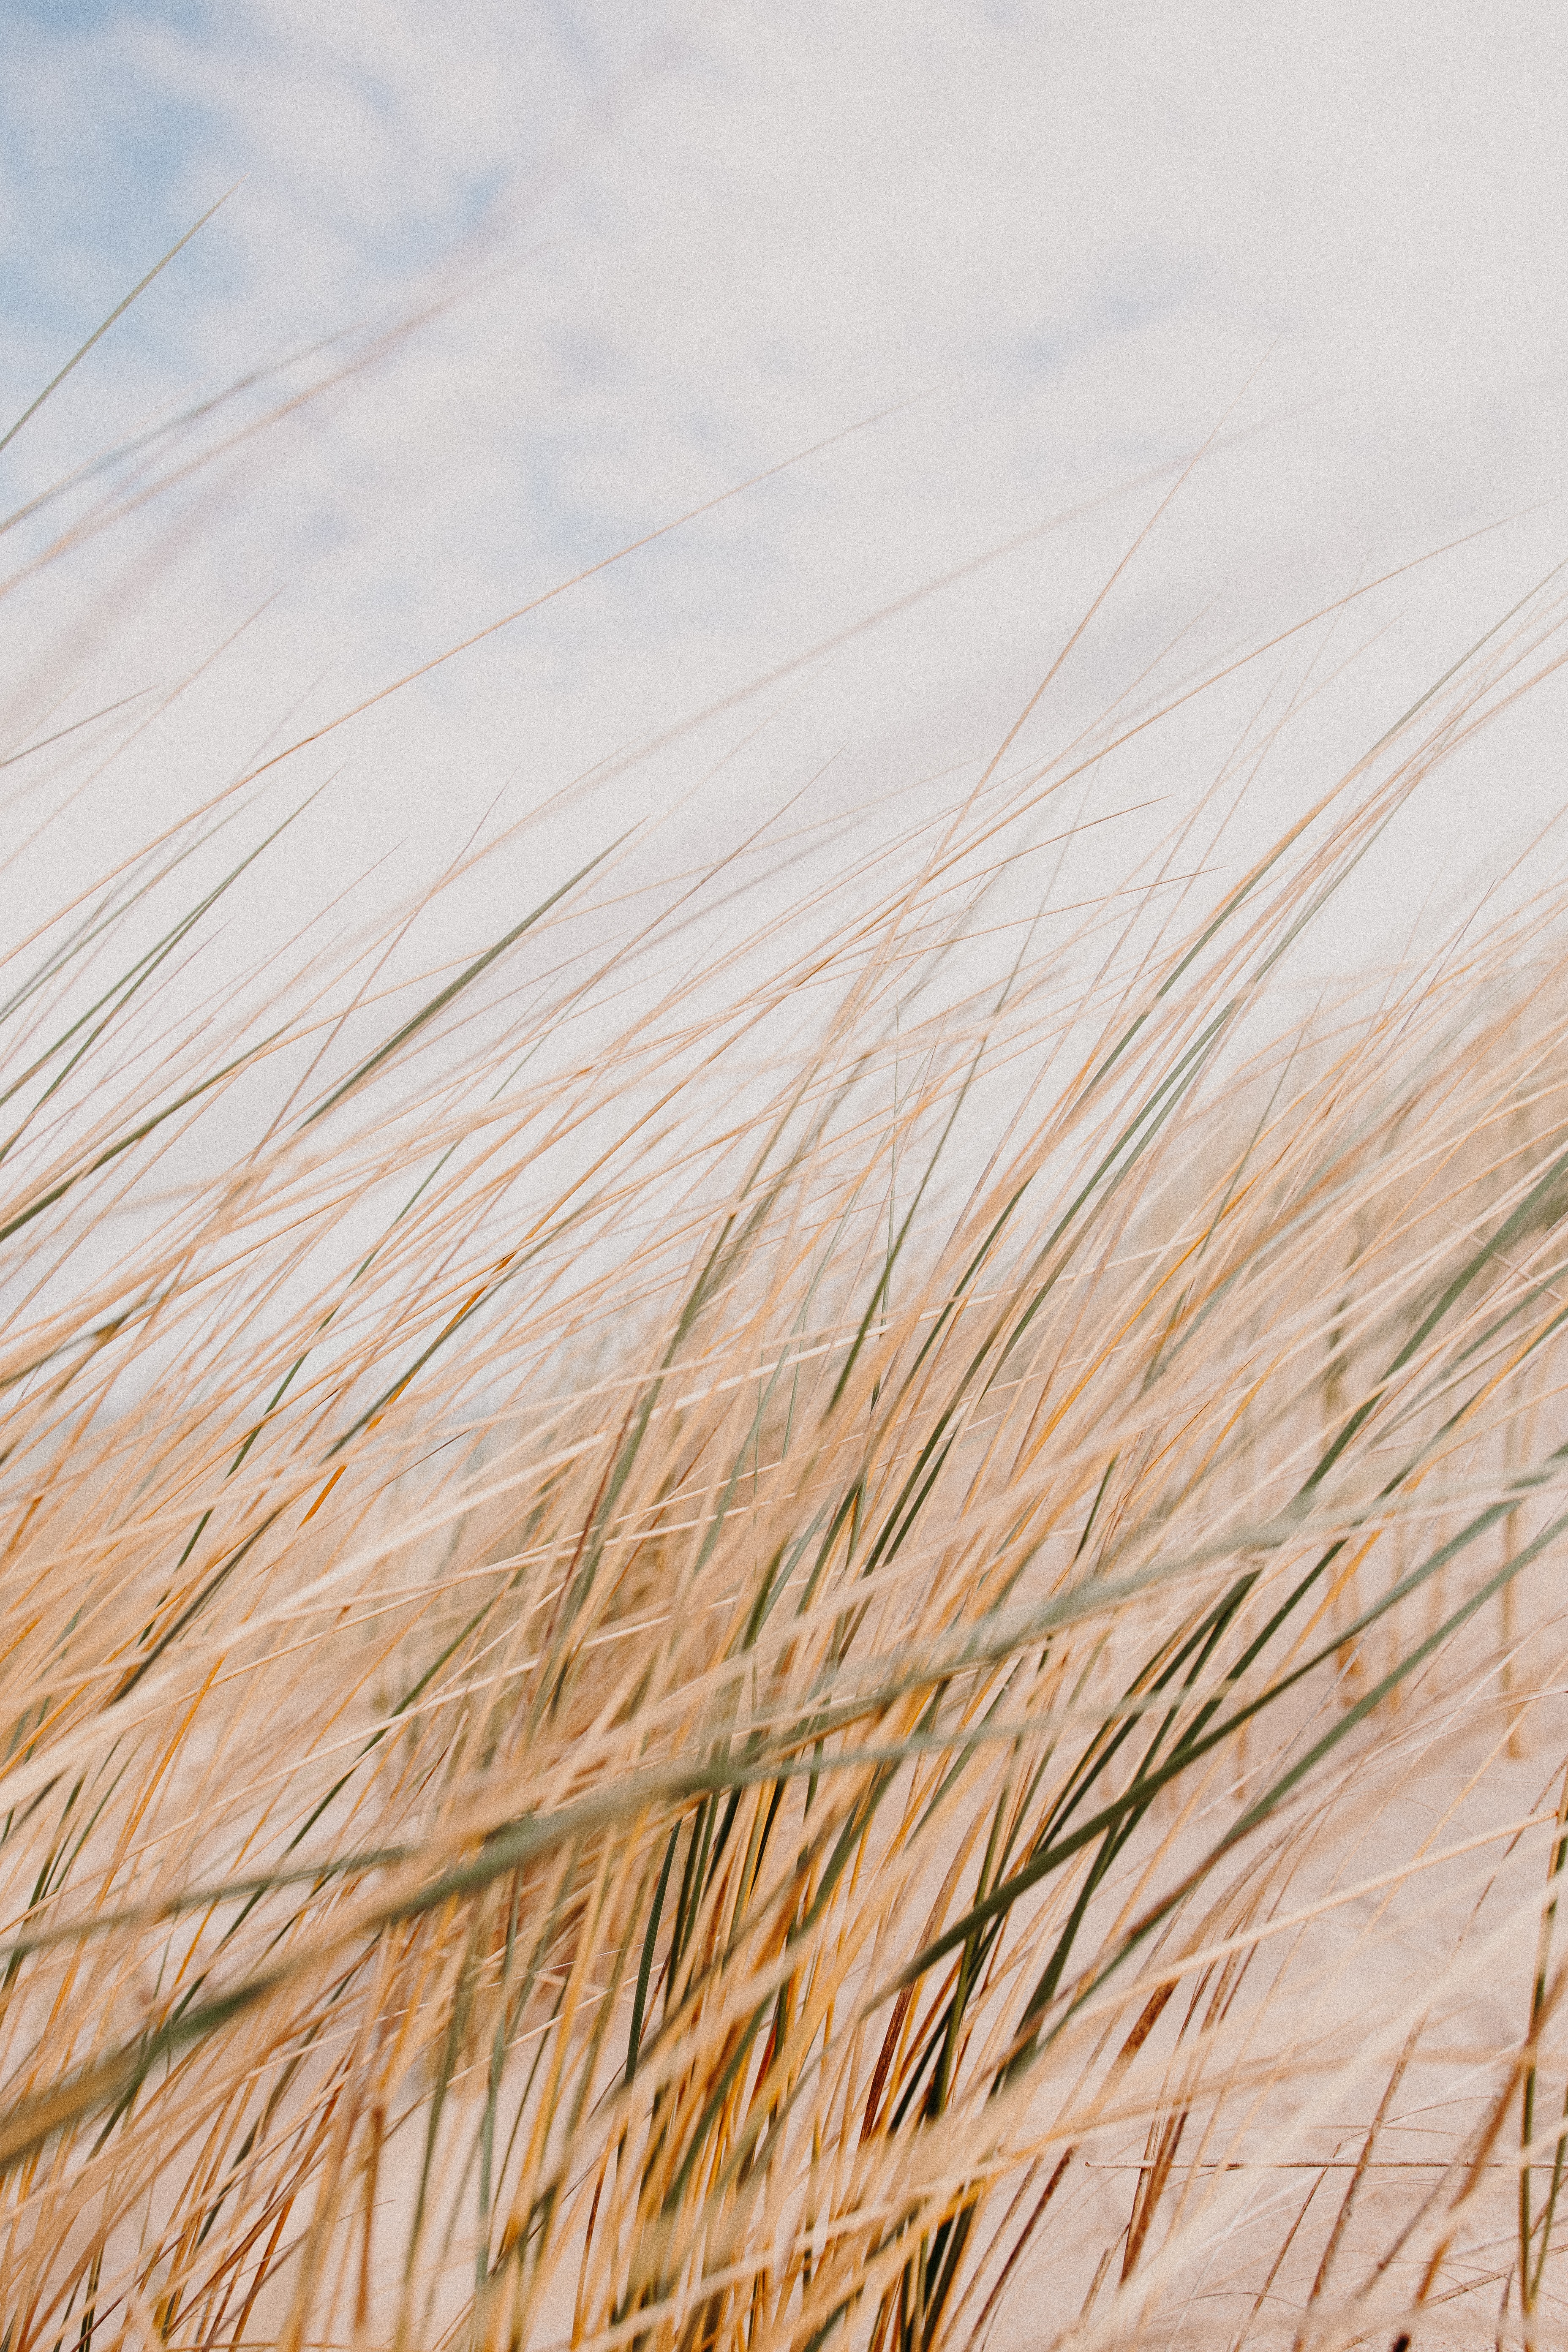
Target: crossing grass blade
(888,1636)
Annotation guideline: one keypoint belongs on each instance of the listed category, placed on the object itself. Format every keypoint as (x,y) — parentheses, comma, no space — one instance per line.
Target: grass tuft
(843,1637)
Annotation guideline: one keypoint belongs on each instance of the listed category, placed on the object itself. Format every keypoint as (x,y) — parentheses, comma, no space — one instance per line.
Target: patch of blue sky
(120,125)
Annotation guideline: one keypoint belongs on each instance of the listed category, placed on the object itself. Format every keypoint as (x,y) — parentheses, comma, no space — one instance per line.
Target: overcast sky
(1060,244)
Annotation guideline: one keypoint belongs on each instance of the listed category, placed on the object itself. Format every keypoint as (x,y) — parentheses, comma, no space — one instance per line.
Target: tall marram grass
(860,1647)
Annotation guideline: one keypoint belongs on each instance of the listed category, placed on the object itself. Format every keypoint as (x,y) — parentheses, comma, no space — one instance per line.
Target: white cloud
(1081,230)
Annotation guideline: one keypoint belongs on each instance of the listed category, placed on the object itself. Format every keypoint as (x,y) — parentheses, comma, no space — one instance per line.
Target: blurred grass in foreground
(860,1647)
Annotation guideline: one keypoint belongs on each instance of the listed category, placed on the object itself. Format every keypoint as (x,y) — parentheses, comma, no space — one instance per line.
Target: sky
(583,270)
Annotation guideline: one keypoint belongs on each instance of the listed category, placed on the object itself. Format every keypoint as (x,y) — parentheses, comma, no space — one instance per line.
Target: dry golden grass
(859,1648)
